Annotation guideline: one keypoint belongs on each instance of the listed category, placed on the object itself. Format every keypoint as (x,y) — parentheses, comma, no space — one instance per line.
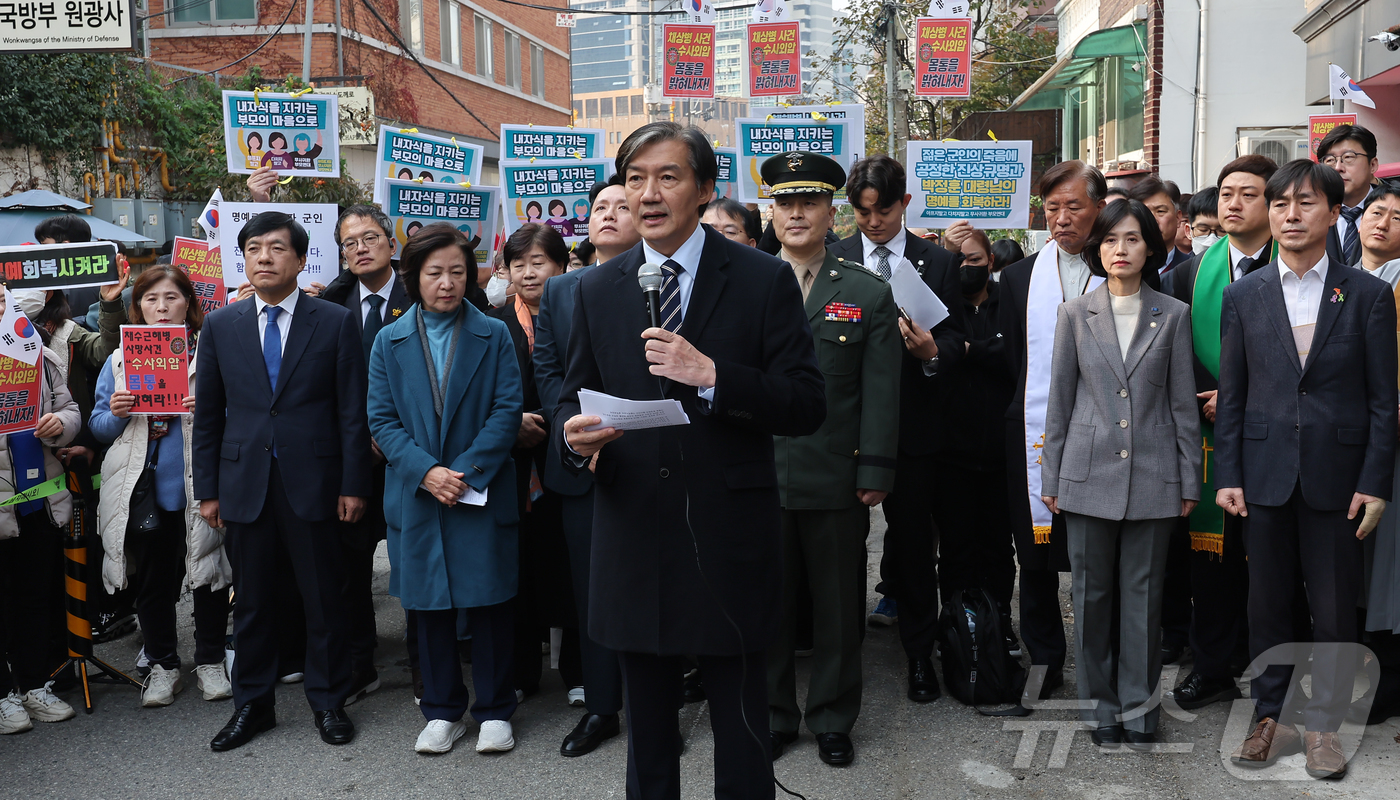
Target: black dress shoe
(692,689)
(835,749)
(590,732)
(779,742)
(1141,742)
(335,726)
(1053,681)
(923,682)
(1109,737)
(362,682)
(247,722)
(1172,653)
(1198,691)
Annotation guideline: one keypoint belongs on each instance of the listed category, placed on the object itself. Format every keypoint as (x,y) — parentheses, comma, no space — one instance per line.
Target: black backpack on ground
(976,667)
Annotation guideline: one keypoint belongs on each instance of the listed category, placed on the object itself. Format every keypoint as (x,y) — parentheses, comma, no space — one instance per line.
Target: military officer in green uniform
(828,480)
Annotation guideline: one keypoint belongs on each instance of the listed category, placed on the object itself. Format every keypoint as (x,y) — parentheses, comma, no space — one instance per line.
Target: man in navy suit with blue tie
(281,451)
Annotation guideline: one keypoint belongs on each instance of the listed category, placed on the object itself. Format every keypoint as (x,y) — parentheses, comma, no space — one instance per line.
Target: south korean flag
(19,339)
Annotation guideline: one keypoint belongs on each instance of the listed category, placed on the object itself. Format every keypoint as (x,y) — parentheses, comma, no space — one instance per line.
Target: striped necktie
(1351,247)
(671,315)
(882,263)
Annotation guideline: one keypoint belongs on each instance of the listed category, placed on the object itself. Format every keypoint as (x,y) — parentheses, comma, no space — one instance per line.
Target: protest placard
(546,141)
(1319,125)
(206,271)
(19,395)
(405,156)
(153,358)
(775,60)
(553,193)
(75,26)
(690,61)
(853,113)
(985,183)
(59,266)
(761,139)
(472,211)
(727,161)
(944,50)
(322,255)
(293,135)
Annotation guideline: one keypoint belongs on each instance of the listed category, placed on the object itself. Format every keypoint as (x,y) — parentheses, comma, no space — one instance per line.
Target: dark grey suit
(1300,440)
(1121,454)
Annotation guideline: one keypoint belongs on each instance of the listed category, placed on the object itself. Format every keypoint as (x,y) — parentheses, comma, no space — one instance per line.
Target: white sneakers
(44,706)
(576,697)
(439,735)
(213,681)
(13,717)
(293,677)
(161,687)
(496,737)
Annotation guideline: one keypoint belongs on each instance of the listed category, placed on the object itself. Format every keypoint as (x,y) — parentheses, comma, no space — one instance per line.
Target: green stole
(1212,276)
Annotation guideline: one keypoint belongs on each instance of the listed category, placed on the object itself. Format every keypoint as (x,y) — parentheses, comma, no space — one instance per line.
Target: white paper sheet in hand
(914,296)
(630,415)
(472,497)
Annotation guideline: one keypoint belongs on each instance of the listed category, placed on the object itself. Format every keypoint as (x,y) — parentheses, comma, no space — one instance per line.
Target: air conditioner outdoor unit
(1280,148)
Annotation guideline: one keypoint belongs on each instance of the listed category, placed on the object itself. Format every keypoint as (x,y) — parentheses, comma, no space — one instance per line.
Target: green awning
(1124,41)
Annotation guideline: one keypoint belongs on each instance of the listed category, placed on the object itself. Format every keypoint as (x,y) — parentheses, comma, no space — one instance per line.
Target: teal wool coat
(464,556)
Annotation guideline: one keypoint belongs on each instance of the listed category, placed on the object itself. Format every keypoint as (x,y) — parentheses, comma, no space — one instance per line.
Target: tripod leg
(114,673)
(87,689)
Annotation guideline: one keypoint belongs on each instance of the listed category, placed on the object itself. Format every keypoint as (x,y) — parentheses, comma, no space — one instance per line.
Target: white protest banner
(293,134)
(985,183)
(524,142)
(854,113)
(322,256)
(472,211)
(761,139)
(554,193)
(406,155)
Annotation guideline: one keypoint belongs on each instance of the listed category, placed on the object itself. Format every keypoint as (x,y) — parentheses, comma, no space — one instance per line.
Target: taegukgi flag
(1344,88)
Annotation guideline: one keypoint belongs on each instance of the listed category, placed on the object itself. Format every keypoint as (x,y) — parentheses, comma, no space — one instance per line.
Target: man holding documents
(686,555)
(829,480)
(931,345)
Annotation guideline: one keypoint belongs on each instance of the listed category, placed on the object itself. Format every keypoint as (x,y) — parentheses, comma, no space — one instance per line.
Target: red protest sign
(153,357)
(1319,125)
(945,58)
(205,268)
(775,60)
(19,395)
(690,61)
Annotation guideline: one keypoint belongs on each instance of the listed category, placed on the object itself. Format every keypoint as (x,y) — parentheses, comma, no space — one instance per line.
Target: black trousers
(33,567)
(602,674)
(737,693)
(278,548)
(359,597)
(975,550)
(159,559)
(1176,596)
(445,696)
(908,569)
(1285,543)
(1219,598)
(1042,623)
(544,597)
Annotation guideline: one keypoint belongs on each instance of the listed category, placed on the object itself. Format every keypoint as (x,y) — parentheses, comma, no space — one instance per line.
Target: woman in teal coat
(444,407)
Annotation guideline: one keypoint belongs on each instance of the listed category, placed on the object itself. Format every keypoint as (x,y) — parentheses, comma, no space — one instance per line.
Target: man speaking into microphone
(686,520)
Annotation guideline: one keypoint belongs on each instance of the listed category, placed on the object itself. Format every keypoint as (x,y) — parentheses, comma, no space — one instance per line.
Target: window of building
(484,66)
(536,70)
(512,45)
(622,106)
(450,25)
(411,23)
(592,109)
(605,107)
(638,105)
(217,11)
(578,109)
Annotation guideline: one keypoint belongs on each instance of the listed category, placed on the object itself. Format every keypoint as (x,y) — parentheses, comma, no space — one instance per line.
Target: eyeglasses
(1206,230)
(371,241)
(1349,157)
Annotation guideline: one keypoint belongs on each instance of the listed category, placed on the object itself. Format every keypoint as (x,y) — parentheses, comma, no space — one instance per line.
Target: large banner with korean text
(761,139)
(472,211)
(406,155)
(295,135)
(985,183)
(944,63)
(552,193)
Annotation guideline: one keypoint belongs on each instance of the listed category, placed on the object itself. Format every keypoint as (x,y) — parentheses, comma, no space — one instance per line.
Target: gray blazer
(1122,441)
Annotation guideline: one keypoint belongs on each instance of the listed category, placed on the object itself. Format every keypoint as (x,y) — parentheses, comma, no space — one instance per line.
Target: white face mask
(1199,244)
(496,291)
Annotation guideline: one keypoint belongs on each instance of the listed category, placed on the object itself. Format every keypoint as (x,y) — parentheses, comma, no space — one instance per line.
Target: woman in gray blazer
(1122,460)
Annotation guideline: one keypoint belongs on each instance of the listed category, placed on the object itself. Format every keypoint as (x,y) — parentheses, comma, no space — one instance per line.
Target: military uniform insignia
(794,161)
(842,312)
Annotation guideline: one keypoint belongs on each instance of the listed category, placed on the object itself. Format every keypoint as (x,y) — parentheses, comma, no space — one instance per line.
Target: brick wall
(1152,86)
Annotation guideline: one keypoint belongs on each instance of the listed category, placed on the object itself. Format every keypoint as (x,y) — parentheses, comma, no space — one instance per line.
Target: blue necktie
(272,346)
(671,316)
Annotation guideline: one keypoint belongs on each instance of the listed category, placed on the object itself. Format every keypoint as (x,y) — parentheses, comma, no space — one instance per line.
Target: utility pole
(306,44)
(891,138)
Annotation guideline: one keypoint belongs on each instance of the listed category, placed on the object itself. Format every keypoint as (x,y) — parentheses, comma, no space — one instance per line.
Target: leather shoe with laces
(335,726)
(779,741)
(590,732)
(248,721)
(835,749)
(1198,691)
(1269,742)
(923,681)
(1324,753)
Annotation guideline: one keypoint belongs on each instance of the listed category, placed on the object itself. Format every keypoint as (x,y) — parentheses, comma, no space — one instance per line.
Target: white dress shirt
(384,292)
(1236,255)
(1302,297)
(894,245)
(688,257)
(1074,273)
(284,320)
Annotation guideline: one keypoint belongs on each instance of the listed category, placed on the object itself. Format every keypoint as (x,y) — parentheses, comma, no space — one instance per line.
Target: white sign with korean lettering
(66,26)
(322,255)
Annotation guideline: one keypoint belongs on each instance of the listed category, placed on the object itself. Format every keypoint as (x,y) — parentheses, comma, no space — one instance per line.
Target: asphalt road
(942,750)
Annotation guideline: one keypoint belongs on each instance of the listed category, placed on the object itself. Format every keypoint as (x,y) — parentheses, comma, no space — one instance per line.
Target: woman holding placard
(167,542)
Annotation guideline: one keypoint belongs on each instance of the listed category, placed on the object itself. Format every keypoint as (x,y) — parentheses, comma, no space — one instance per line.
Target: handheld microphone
(650,277)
